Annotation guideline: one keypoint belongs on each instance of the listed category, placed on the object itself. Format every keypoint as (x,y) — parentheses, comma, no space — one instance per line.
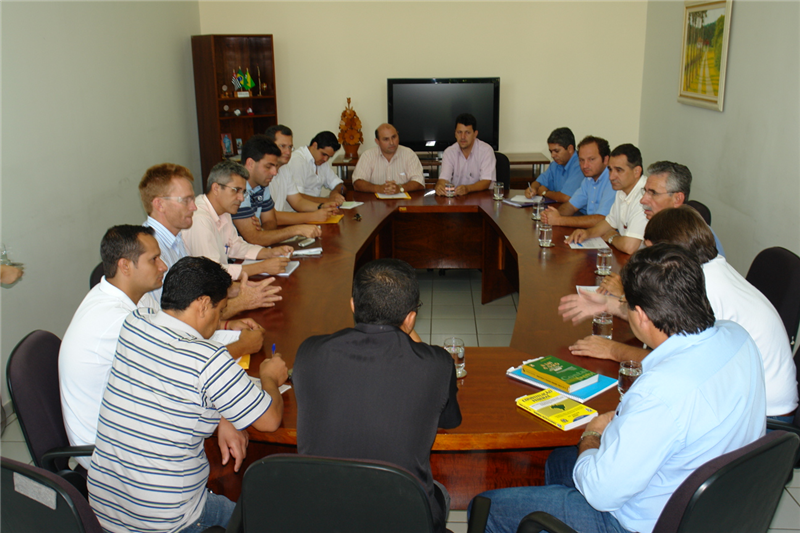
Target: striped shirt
(255,202)
(167,390)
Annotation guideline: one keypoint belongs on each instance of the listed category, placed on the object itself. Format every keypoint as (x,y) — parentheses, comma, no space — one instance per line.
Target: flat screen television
(424,110)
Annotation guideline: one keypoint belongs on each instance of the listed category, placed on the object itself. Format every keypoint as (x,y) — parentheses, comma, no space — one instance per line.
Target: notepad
(333,220)
(350,205)
(290,267)
(595,243)
(522,199)
(395,196)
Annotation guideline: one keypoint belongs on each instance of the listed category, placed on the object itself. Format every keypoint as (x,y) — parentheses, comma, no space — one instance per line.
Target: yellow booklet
(395,196)
(555,408)
(333,220)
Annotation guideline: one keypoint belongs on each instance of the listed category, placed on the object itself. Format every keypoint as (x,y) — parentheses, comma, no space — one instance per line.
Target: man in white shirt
(311,170)
(469,163)
(623,228)
(213,234)
(388,168)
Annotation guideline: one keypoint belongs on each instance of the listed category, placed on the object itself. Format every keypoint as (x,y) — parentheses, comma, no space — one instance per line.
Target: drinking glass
(545,235)
(538,208)
(498,191)
(603,262)
(449,189)
(628,372)
(602,325)
(455,346)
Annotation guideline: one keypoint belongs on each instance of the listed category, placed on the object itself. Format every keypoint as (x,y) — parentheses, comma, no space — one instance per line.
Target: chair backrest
(96,276)
(305,494)
(737,491)
(34,499)
(701,208)
(32,376)
(503,170)
(776,273)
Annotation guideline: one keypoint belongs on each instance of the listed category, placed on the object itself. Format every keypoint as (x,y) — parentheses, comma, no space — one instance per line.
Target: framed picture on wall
(704,53)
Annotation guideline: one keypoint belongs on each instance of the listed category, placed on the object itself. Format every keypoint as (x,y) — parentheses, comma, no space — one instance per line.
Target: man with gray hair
(213,234)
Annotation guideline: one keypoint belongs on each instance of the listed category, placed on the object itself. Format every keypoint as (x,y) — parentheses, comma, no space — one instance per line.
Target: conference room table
(497,444)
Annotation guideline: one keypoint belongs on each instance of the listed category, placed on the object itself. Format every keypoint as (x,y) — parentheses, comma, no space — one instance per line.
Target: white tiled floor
(451,306)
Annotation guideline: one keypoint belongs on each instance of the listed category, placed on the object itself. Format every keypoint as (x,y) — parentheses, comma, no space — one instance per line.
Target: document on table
(395,196)
(350,205)
(301,252)
(290,267)
(333,220)
(586,288)
(595,243)
(522,199)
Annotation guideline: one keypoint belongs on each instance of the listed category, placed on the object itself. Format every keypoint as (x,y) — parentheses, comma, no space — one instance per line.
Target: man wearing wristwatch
(701,395)
(623,227)
(388,168)
(592,201)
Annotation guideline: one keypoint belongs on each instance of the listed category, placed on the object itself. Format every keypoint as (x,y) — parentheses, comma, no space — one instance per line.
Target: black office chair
(34,500)
(32,375)
(736,492)
(776,273)
(794,426)
(503,170)
(306,494)
(701,208)
(96,276)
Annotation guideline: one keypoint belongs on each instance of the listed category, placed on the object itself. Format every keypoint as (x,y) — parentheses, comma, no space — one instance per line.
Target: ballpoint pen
(273,349)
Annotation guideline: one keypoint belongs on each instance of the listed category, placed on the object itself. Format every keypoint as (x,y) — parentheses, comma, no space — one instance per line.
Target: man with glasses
(375,391)
(213,234)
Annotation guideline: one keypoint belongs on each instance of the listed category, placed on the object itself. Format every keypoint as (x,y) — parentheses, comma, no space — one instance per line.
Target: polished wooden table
(497,445)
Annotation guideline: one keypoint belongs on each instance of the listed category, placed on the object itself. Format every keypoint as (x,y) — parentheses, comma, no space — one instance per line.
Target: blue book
(587,393)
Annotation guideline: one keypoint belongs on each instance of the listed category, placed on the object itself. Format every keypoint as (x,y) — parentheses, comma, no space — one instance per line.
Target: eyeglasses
(416,309)
(651,192)
(236,190)
(185,200)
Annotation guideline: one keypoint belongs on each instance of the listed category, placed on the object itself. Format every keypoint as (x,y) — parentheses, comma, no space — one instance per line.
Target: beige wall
(93,93)
(560,63)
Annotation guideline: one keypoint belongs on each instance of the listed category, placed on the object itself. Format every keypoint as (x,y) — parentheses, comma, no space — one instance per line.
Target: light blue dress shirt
(563,178)
(172,249)
(594,197)
(699,396)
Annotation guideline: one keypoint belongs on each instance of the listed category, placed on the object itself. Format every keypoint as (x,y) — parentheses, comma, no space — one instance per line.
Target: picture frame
(227,144)
(704,53)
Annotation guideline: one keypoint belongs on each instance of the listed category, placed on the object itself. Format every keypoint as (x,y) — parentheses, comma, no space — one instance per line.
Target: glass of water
(449,189)
(455,346)
(603,262)
(538,208)
(498,191)
(545,235)
(629,371)
(603,325)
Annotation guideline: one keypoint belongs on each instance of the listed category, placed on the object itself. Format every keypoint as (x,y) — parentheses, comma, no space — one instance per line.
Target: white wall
(745,160)
(93,93)
(576,64)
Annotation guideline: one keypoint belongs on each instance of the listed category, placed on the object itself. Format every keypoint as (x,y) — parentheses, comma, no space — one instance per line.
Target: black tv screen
(424,110)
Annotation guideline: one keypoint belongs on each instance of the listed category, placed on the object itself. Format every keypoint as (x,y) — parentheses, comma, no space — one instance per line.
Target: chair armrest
(538,521)
(479,514)
(49,457)
(791,428)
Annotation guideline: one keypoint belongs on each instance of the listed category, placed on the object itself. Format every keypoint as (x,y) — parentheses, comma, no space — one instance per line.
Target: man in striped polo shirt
(168,387)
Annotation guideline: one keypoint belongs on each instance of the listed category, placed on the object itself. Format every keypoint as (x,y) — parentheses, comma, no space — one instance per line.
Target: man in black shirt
(375,391)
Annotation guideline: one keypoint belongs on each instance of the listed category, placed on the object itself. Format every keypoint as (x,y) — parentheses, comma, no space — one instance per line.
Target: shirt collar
(305,153)
(168,321)
(163,233)
(375,328)
(205,203)
(114,291)
(635,193)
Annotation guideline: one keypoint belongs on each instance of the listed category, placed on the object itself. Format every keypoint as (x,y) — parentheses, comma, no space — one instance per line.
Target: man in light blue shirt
(564,175)
(593,200)
(701,394)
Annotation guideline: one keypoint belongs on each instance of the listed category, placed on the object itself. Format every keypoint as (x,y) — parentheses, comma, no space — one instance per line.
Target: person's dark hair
(121,242)
(667,282)
(157,180)
(679,177)
(191,278)
(467,120)
(684,227)
(326,139)
(384,292)
(602,145)
(257,147)
(562,137)
(629,151)
(224,171)
(272,131)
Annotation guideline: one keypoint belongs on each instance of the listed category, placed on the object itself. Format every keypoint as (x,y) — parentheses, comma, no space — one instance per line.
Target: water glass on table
(538,209)
(498,191)
(545,235)
(603,325)
(629,371)
(603,262)
(455,347)
(449,189)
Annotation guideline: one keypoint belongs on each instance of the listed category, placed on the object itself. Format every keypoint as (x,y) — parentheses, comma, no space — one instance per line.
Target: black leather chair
(776,273)
(503,170)
(305,494)
(701,208)
(794,425)
(35,500)
(32,375)
(96,276)
(736,492)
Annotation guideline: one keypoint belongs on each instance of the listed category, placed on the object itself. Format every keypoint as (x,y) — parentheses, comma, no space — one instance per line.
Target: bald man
(388,168)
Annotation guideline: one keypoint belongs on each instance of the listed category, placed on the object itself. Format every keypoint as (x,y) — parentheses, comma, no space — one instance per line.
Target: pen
(273,349)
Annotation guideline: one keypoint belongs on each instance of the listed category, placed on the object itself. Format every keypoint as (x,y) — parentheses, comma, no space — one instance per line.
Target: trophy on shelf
(225,93)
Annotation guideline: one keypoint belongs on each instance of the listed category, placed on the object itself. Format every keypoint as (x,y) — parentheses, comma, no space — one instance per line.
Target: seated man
(256,220)
(732,298)
(563,176)
(168,199)
(623,228)
(701,395)
(388,168)
(213,235)
(376,391)
(131,261)
(469,163)
(593,200)
(311,170)
(166,392)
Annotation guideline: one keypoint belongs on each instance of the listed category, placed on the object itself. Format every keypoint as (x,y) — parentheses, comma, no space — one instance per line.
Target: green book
(560,374)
